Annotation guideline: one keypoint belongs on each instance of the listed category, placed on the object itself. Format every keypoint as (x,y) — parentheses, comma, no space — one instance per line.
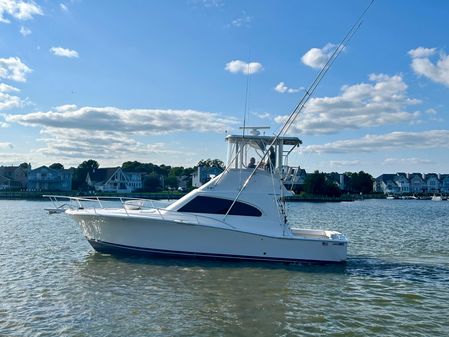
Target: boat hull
(155,236)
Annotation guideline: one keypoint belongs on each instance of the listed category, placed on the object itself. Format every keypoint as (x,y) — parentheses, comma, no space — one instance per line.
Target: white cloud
(142,121)
(63,7)
(162,148)
(7,88)
(361,105)
(209,3)
(423,66)
(316,58)
(387,142)
(6,146)
(91,132)
(13,68)
(77,143)
(243,21)
(25,31)
(20,10)
(262,115)
(409,161)
(66,108)
(344,163)
(67,145)
(421,52)
(64,52)
(12,158)
(282,88)
(8,101)
(238,66)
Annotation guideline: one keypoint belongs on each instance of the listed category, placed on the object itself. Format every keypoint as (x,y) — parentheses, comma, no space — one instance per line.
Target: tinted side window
(211,205)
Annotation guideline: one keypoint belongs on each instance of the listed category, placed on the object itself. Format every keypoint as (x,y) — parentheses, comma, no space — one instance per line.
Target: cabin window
(212,205)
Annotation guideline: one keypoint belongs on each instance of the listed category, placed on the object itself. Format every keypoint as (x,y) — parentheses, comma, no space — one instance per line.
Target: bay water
(395,282)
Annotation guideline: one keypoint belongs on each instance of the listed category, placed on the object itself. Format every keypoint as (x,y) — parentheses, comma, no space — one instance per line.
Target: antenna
(248,78)
(254,130)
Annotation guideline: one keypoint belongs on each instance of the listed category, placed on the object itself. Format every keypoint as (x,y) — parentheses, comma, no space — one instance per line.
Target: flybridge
(243,149)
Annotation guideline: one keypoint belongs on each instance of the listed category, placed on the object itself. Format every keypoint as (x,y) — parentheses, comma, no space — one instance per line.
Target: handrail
(160,211)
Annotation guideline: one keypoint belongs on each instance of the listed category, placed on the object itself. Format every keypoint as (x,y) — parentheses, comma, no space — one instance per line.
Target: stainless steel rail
(68,202)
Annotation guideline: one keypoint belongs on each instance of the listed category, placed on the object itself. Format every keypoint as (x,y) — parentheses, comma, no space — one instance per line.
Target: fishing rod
(308,94)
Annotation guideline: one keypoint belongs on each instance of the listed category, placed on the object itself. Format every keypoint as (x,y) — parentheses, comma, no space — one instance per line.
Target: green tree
(172,182)
(80,173)
(360,182)
(188,171)
(163,170)
(211,163)
(317,184)
(152,183)
(176,171)
(25,166)
(132,166)
(56,166)
(89,165)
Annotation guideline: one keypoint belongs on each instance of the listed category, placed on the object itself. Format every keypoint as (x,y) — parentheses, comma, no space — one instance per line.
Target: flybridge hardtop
(239,214)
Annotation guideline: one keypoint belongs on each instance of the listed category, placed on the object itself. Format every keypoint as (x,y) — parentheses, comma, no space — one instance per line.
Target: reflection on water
(394,282)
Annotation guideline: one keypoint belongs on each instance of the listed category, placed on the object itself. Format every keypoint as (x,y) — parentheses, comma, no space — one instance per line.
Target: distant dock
(312,198)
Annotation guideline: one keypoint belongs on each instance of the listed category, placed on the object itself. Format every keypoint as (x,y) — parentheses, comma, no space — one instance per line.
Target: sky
(166,81)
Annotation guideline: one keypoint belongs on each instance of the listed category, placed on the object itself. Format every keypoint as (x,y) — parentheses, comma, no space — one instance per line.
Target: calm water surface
(395,283)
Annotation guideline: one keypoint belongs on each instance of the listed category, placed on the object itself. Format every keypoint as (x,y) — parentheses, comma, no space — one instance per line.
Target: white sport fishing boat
(239,214)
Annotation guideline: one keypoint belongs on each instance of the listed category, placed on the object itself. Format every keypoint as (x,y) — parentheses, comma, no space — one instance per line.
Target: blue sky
(163,81)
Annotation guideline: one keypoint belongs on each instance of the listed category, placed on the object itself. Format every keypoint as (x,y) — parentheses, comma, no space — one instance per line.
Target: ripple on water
(394,283)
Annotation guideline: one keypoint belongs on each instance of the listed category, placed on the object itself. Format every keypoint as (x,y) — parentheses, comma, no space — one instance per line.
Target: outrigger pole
(308,94)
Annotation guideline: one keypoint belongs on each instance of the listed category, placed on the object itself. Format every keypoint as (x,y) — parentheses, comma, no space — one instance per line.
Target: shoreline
(170,195)
(25,195)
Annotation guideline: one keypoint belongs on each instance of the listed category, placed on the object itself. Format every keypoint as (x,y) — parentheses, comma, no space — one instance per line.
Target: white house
(432,183)
(204,174)
(402,182)
(386,184)
(114,179)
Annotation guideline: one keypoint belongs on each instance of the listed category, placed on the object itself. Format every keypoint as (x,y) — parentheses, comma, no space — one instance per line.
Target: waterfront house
(184,182)
(444,186)
(294,177)
(46,179)
(432,183)
(13,177)
(402,182)
(8,184)
(386,184)
(135,180)
(114,179)
(411,183)
(417,183)
(204,174)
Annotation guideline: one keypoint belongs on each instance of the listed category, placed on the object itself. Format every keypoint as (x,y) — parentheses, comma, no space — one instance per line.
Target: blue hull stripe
(106,247)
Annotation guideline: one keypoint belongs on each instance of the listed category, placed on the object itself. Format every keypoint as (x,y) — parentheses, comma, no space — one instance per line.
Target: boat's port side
(318,234)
